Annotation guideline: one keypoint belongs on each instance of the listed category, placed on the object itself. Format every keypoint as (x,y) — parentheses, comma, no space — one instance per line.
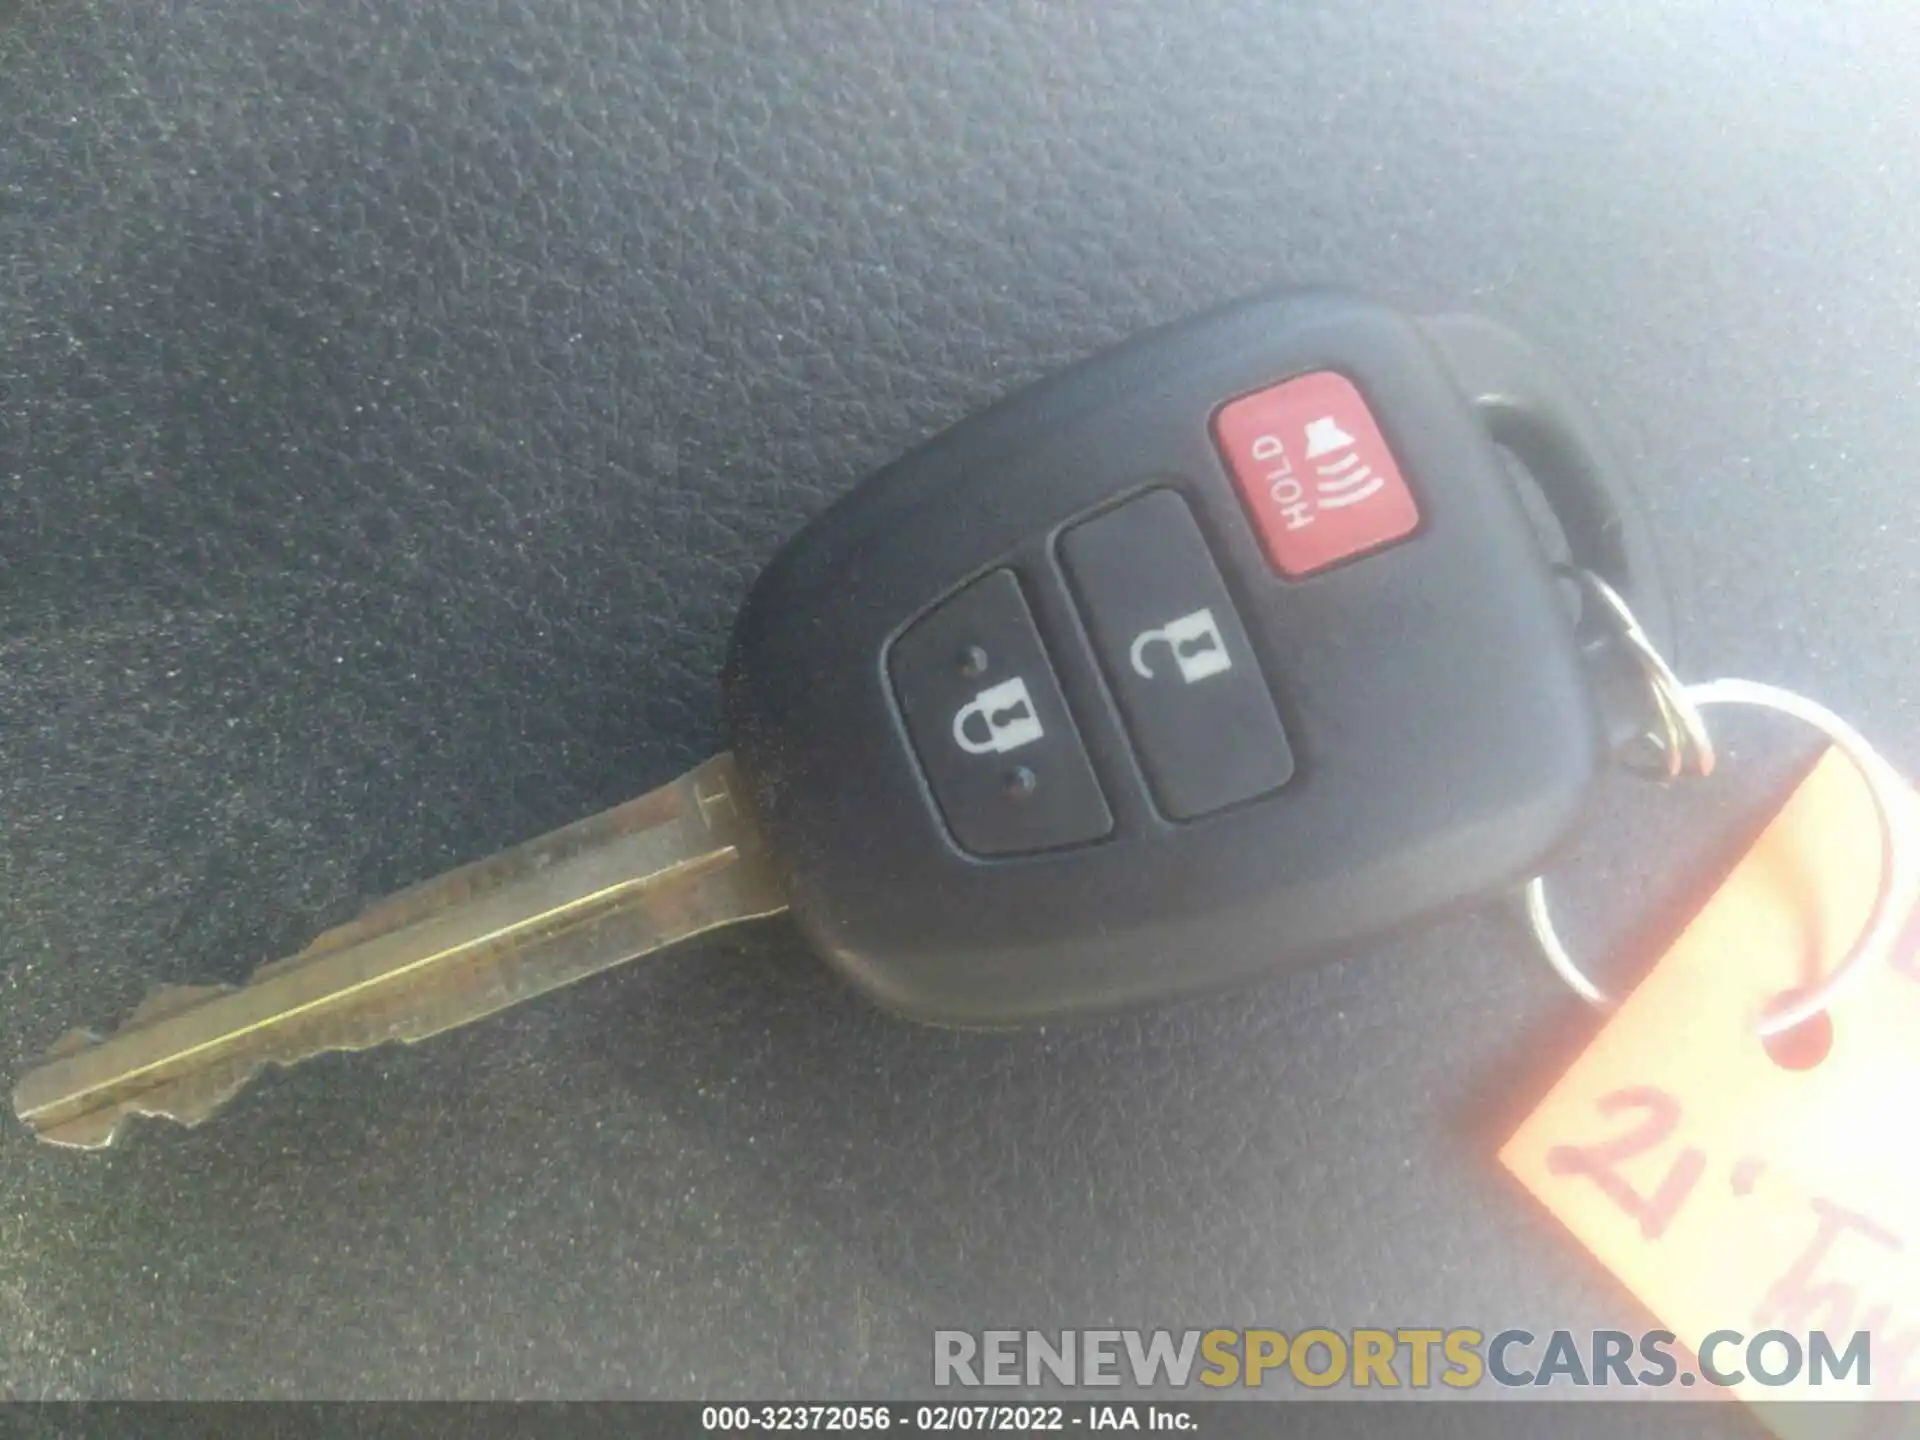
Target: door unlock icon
(1006,712)
(1199,650)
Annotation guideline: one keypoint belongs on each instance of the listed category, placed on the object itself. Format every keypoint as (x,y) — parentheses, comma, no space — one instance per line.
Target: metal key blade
(671,864)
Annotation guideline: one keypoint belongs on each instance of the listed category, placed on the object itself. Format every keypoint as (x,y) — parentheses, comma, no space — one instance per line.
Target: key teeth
(186,1102)
(86,1133)
(98,1129)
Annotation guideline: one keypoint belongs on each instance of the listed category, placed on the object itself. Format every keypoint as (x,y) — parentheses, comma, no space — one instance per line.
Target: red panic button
(1315,473)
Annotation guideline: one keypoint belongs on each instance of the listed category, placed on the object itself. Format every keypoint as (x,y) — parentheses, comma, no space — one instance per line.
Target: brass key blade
(673,863)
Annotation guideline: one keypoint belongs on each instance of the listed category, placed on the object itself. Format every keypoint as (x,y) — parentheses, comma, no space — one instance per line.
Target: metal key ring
(1687,745)
(1680,706)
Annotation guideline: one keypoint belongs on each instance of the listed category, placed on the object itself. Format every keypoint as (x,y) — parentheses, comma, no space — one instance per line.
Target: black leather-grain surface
(396,399)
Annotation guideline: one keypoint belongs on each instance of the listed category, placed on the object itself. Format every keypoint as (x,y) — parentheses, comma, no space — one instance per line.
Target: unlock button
(986,717)
(1177,657)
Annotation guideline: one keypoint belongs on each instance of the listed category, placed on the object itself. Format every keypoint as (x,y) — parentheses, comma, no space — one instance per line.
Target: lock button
(1176,657)
(993,733)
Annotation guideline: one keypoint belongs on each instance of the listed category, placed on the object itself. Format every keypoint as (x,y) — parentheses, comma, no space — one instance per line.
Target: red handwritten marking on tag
(1728,1191)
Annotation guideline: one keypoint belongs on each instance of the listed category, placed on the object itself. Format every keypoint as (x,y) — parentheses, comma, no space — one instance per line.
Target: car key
(1223,652)
(669,865)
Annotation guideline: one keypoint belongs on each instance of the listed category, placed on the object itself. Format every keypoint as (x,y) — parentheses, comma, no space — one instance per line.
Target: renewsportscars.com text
(1412,1358)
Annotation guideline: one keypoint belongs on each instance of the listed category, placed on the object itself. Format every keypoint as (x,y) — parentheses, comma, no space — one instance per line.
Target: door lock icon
(1007,715)
(1199,650)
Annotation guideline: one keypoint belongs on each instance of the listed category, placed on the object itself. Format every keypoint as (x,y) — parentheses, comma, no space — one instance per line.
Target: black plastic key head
(1217,654)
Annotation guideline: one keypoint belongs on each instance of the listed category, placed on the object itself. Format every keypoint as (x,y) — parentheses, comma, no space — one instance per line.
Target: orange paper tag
(1732,1193)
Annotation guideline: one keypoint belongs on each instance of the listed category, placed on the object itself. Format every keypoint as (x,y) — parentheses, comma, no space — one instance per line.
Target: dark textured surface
(397,398)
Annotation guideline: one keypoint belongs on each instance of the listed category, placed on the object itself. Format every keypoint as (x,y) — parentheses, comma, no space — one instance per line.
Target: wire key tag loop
(1688,747)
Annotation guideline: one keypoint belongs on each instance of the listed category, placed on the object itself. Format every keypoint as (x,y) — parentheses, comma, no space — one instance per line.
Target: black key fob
(1216,654)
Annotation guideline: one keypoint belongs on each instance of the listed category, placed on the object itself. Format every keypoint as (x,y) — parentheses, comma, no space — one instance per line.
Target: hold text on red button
(1315,472)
